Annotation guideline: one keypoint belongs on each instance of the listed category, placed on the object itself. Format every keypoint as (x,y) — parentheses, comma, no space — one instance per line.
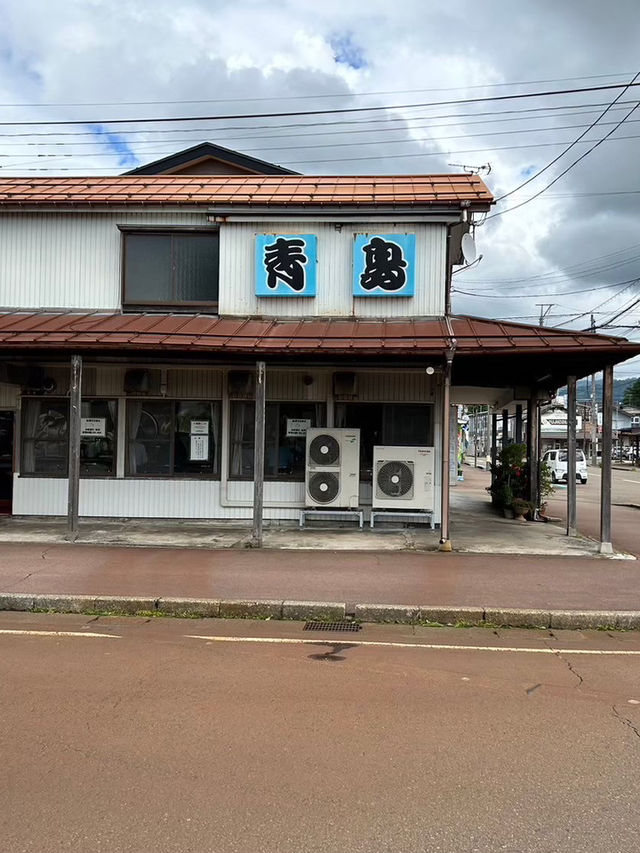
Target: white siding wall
(335,272)
(69,260)
(123,497)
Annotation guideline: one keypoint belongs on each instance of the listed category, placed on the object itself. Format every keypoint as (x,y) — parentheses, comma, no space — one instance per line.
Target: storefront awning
(485,350)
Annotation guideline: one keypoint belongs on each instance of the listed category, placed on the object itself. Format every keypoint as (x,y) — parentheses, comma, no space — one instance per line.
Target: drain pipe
(445,540)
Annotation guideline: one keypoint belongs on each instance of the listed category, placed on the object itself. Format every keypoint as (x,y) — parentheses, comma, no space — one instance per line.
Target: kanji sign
(286,265)
(384,265)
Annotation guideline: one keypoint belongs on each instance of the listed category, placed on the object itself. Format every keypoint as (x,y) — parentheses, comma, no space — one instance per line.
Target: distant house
(209,159)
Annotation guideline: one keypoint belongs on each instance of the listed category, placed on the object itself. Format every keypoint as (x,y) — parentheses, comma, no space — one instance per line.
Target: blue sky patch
(346,51)
(527,171)
(126,157)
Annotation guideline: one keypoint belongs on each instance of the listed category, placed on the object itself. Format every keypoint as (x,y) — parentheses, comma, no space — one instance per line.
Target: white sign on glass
(297,427)
(199,449)
(199,427)
(93,427)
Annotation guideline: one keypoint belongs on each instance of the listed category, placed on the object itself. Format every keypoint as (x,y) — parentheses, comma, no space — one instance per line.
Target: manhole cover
(332,626)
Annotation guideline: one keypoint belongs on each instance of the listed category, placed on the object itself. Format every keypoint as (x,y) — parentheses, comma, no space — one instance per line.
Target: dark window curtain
(45,437)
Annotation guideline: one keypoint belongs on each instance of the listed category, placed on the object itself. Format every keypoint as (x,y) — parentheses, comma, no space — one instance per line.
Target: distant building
(209,159)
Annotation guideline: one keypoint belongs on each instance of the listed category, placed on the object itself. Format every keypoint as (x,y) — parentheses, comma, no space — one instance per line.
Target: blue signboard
(286,264)
(384,265)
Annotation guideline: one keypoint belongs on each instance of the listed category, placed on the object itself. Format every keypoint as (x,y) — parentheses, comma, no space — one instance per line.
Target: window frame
(20,439)
(155,230)
(214,476)
(269,478)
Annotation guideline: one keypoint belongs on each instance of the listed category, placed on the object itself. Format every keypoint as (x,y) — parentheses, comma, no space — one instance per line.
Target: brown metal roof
(181,333)
(299,190)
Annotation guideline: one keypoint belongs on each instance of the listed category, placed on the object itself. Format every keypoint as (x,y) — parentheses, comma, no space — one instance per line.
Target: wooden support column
(494,445)
(532,447)
(258,454)
(505,428)
(445,535)
(73,499)
(518,435)
(571,456)
(605,478)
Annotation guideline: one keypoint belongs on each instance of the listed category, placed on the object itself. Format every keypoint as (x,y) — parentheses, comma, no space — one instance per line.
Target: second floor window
(174,269)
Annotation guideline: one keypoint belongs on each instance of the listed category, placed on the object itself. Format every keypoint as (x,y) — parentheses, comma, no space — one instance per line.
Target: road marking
(435,646)
(635,482)
(59,633)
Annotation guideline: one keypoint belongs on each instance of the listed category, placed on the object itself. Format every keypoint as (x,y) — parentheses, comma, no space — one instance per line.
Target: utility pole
(594,409)
(544,307)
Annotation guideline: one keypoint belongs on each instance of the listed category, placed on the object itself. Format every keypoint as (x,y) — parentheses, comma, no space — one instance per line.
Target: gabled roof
(208,151)
(410,191)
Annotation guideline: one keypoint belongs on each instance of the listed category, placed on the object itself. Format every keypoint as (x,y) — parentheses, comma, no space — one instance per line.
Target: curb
(324,611)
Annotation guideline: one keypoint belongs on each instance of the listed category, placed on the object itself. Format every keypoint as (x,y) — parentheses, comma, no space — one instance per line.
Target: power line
(315,97)
(340,122)
(561,293)
(575,142)
(604,302)
(98,141)
(569,167)
(316,161)
(342,110)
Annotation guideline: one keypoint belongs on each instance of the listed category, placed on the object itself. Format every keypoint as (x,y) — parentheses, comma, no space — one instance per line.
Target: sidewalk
(459,587)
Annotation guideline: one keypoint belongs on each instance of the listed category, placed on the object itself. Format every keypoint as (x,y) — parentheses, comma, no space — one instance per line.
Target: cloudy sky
(423,64)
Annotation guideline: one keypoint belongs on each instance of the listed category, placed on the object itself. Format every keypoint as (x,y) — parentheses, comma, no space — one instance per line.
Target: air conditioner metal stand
(424,517)
(354,514)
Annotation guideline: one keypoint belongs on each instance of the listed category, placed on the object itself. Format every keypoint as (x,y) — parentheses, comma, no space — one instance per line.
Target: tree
(632,395)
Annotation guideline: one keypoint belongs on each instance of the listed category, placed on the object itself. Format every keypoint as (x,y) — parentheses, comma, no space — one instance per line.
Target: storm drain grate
(332,626)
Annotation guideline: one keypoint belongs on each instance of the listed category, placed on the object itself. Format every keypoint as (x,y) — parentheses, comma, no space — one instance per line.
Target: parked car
(557,462)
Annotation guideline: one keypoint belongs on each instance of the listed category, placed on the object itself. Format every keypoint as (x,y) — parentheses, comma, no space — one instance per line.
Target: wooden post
(445,536)
(505,428)
(518,423)
(571,456)
(494,446)
(605,478)
(258,454)
(532,447)
(75,394)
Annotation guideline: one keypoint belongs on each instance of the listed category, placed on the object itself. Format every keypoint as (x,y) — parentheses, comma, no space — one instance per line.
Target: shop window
(284,438)
(173,438)
(98,438)
(399,424)
(45,437)
(170,269)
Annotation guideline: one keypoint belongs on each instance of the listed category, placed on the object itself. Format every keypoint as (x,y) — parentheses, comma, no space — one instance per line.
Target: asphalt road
(159,735)
(625,512)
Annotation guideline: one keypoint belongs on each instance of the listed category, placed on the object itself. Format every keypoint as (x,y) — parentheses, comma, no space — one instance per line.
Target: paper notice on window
(199,449)
(199,428)
(93,427)
(297,427)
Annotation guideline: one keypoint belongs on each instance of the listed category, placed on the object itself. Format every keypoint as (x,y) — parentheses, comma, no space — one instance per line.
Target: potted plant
(521,508)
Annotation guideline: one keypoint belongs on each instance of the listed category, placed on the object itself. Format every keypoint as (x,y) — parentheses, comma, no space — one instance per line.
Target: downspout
(445,536)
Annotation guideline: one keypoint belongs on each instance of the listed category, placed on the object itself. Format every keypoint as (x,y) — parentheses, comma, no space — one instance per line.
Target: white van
(557,462)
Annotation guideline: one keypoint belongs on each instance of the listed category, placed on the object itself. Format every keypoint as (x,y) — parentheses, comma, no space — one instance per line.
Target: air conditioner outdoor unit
(403,478)
(332,470)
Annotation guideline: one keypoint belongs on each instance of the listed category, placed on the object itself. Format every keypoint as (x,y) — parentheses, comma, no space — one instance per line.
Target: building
(152,325)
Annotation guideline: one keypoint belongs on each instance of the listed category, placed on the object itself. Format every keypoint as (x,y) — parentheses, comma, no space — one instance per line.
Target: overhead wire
(568,168)
(572,144)
(322,95)
(295,113)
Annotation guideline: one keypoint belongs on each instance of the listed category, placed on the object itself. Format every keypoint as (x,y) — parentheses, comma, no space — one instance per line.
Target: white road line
(435,646)
(635,482)
(59,634)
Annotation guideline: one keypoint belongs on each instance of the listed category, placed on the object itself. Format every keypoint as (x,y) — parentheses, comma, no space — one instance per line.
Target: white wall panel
(150,498)
(69,260)
(335,271)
